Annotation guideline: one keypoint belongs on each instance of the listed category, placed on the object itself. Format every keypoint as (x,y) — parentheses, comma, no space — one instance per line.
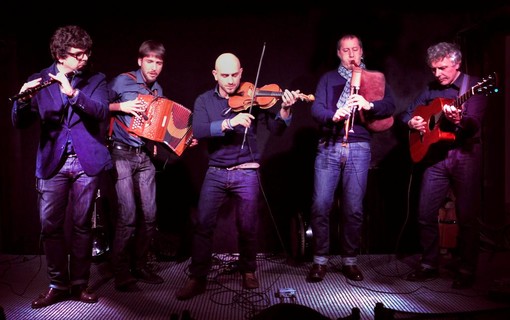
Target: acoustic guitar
(420,143)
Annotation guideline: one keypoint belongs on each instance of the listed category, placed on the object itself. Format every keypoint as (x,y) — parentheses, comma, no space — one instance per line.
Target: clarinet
(355,86)
(30,91)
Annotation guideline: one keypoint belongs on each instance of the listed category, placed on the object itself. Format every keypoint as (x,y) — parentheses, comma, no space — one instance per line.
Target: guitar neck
(462,98)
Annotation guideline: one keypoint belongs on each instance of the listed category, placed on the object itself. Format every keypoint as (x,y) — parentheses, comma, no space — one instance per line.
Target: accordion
(164,121)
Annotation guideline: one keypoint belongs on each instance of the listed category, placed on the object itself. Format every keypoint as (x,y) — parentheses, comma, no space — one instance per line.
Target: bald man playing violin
(232,173)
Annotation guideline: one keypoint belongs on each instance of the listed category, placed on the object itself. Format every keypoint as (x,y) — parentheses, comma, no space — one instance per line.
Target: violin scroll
(306,97)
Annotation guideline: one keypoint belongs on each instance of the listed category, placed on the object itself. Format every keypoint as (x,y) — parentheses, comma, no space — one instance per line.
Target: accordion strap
(113,119)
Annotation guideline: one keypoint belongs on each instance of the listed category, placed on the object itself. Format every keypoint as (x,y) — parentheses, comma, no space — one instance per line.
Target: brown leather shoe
(250,281)
(83,294)
(193,287)
(317,273)
(352,273)
(50,297)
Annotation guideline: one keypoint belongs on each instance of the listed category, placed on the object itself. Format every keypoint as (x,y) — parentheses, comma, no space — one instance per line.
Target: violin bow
(255,88)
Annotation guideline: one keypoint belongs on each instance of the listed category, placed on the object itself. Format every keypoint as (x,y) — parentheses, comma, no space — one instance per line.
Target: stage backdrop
(299,45)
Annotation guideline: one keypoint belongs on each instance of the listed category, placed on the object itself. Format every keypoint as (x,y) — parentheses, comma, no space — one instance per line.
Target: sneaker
(193,287)
(147,276)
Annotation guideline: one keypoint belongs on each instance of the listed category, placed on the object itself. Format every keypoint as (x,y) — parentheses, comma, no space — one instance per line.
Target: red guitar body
(421,142)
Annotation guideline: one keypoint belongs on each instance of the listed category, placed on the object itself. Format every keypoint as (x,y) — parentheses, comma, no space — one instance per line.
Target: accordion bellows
(164,121)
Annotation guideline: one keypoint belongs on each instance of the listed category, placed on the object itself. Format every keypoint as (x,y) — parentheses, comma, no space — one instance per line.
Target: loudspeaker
(289,311)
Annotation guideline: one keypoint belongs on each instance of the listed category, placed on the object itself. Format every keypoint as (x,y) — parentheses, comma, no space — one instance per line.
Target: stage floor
(22,278)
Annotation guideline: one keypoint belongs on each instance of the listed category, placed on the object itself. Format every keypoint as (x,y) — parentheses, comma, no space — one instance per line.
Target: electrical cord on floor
(266,201)
(18,260)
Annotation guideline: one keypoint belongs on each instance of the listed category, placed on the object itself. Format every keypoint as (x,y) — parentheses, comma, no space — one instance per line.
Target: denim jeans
(68,263)
(344,169)
(242,186)
(461,171)
(135,221)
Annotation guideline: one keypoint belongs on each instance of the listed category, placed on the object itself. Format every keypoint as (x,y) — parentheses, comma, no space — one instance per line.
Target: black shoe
(317,273)
(463,281)
(147,276)
(50,297)
(352,272)
(83,294)
(124,281)
(422,274)
(193,287)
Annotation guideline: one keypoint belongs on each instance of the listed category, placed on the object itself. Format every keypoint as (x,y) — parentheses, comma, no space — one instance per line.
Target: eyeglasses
(80,55)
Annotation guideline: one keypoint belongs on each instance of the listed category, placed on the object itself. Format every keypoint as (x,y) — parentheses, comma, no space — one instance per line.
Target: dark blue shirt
(125,88)
(328,91)
(226,149)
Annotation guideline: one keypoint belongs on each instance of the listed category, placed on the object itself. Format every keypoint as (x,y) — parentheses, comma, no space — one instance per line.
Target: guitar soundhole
(432,123)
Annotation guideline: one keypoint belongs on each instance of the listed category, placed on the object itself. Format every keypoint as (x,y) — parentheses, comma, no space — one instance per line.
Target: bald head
(227,63)
(227,72)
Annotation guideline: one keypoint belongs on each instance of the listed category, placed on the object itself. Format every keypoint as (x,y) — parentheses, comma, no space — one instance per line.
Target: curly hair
(444,50)
(68,37)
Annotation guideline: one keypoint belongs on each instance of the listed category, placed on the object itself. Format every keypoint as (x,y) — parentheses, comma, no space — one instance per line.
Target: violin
(265,96)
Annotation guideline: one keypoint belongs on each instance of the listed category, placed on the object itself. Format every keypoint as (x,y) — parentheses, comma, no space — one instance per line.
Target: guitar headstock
(487,85)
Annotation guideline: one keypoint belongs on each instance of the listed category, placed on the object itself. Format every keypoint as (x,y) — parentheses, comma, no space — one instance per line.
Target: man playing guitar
(455,165)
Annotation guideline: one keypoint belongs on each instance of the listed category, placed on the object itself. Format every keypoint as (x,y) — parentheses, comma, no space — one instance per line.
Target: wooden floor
(283,290)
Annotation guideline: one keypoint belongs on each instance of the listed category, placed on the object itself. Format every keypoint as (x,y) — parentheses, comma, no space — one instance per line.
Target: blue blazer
(82,121)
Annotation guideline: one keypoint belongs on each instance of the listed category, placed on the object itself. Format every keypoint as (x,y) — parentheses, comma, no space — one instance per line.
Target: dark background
(299,44)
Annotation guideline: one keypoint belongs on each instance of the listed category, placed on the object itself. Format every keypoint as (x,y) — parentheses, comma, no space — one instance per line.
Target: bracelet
(229,125)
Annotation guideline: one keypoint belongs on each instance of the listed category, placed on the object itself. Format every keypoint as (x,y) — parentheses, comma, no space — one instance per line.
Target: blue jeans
(68,263)
(461,171)
(346,169)
(135,221)
(219,184)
